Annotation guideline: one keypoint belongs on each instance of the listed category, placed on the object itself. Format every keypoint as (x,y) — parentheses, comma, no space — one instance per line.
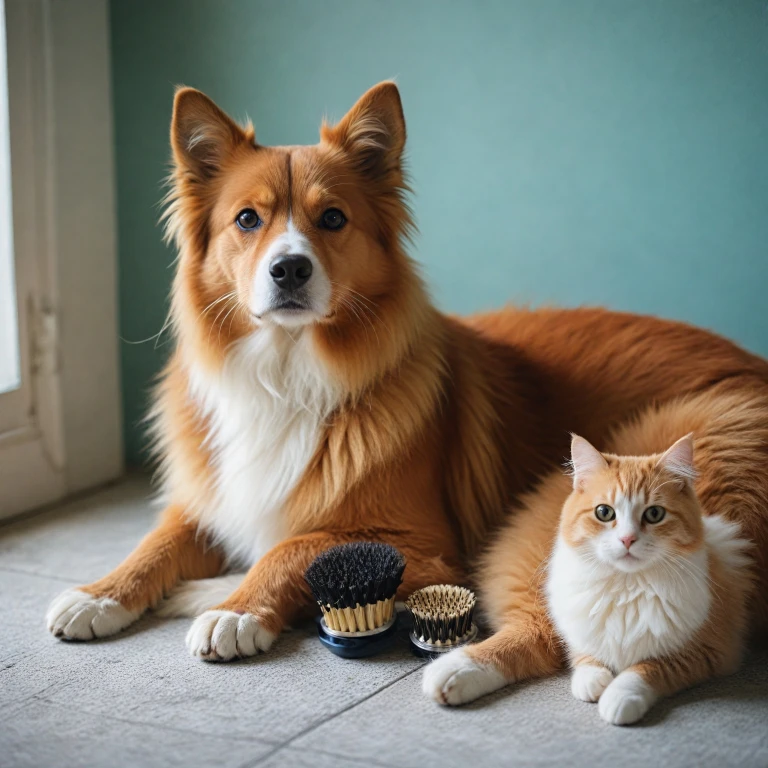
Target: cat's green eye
(654,514)
(604,513)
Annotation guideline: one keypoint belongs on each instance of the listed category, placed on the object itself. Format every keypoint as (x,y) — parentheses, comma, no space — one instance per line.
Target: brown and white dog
(316,396)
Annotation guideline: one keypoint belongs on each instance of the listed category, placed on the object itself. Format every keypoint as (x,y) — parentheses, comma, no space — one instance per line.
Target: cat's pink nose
(628,541)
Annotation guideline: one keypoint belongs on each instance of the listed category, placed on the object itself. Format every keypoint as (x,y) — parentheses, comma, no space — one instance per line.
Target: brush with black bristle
(442,619)
(355,585)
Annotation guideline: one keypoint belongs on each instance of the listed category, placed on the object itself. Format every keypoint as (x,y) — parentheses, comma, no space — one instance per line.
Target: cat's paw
(626,699)
(588,681)
(456,678)
(226,635)
(76,615)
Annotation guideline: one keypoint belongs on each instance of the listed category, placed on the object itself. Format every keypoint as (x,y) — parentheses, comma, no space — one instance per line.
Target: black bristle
(360,573)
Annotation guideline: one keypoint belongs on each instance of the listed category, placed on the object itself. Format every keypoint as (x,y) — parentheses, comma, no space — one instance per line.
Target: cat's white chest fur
(266,409)
(623,618)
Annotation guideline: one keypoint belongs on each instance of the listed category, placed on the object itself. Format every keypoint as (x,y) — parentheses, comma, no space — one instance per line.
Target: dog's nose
(291,272)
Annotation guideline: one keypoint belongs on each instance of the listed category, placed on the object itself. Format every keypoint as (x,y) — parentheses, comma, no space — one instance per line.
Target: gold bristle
(361,618)
(442,613)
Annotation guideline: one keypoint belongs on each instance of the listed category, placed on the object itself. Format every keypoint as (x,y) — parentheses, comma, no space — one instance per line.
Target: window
(10,375)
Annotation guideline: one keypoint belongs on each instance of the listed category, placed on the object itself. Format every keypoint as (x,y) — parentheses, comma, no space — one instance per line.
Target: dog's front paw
(626,699)
(76,615)
(456,678)
(589,681)
(226,635)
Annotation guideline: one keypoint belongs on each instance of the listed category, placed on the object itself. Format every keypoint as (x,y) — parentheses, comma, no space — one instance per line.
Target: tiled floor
(140,700)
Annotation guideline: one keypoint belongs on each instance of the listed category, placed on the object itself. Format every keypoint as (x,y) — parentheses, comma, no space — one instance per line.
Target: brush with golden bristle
(442,617)
(355,585)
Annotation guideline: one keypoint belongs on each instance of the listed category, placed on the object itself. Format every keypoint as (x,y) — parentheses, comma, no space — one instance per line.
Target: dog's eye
(333,218)
(604,513)
(654,514)
(248,219)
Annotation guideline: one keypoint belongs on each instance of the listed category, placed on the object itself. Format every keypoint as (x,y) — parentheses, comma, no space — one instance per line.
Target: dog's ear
(373,131)
(202,136)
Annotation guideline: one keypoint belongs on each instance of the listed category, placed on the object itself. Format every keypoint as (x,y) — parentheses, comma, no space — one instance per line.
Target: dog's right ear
(202,136)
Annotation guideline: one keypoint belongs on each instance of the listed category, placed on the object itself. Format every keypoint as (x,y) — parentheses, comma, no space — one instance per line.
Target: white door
(59,406)
(31,470)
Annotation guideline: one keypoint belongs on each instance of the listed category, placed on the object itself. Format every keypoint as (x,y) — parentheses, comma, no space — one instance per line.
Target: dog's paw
(588,681)
(76,615)
(226,635)
(626,699)
(456,678)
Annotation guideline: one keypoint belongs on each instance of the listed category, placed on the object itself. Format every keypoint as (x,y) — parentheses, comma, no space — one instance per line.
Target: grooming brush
(442,619)
(354,585)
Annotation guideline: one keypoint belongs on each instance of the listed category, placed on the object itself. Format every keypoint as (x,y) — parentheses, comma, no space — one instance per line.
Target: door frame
(61,431)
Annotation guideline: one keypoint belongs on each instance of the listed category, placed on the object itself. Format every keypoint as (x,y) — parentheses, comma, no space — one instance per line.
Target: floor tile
(138,699)
(290,757)
(84,539)
(25,646)
(145,674)
(49,736)
(536,724)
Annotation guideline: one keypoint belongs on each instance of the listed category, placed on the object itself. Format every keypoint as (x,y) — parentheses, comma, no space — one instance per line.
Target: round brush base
(425,650)
(357,645)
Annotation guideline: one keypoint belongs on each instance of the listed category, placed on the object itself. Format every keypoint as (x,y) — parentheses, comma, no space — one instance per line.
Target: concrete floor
(139,700)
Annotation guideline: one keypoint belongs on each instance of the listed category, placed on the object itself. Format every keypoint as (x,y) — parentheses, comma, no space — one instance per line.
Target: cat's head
(632,511)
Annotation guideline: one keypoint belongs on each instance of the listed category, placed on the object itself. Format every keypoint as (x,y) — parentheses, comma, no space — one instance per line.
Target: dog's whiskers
(156,336)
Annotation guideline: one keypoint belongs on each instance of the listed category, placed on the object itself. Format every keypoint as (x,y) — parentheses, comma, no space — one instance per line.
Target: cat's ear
(678,460)
(586,461)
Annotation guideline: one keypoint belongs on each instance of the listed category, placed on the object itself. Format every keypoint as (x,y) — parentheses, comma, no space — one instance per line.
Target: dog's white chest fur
(622,618)
(266,409)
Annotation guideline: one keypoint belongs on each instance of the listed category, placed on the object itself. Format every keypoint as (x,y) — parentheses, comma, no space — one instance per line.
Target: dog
(316,396)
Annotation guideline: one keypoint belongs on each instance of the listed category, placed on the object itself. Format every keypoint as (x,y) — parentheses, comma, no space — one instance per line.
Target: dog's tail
(191,598)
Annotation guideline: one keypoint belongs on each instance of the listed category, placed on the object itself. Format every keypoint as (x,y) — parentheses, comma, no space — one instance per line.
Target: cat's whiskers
(656,488)
(675,574)
(694,570)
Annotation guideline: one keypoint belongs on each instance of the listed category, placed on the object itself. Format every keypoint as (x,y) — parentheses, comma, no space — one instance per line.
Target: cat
(640,581)
(641,592)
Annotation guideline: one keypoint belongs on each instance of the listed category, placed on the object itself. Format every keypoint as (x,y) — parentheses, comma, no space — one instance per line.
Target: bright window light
(10,376)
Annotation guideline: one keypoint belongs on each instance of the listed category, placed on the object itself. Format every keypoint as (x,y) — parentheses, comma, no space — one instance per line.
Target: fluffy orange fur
(443,421)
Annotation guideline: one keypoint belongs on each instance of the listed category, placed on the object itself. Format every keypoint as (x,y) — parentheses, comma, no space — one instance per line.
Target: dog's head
(290,236)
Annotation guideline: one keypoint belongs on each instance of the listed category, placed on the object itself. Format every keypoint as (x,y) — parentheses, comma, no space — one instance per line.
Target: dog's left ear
(373,131)
(202,136)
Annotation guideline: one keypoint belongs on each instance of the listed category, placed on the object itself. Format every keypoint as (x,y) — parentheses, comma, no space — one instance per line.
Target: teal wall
(562,151)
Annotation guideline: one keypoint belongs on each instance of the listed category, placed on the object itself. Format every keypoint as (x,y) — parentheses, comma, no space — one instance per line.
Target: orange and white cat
(645,593)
